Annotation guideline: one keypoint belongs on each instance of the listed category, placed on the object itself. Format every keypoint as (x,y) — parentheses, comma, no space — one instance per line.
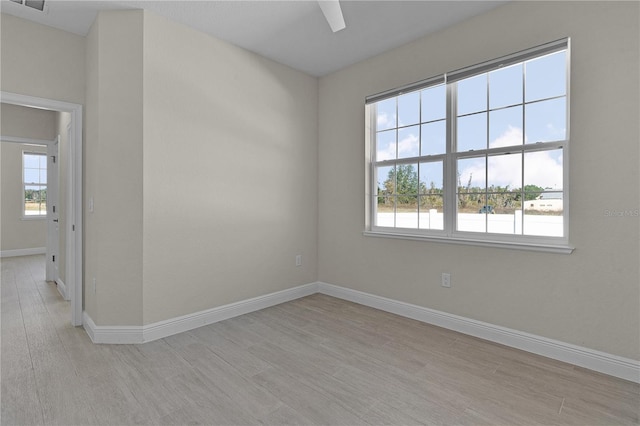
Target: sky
(35,168)
(422,115)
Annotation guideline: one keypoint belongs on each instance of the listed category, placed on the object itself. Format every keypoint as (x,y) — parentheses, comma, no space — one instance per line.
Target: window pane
(31,176)
(434,138)
(505,127)
(471,174)
(43,176)
(431,212)
(386,145)
(409,142)
(505,172)
(471,215)
(546,121)
(472,94)
(543,215)
(434,103)
(385,177)
(35,200)
(406,176)
(386,114)
(503,221)
(409,109)
(546,77)
(431,200)
(472,132)
(407,211)
(385,211)
(31,161)
(43,161)
(543,170)
(431,178)
(505,86)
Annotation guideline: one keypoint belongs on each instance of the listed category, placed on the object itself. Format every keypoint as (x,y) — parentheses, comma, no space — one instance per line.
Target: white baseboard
(602,362)
(23,252)
(613,365)
(112,334)
(62,289)
(161,329)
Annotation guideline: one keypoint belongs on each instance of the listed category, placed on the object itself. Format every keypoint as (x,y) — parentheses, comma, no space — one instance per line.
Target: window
(475,155)
(34,182)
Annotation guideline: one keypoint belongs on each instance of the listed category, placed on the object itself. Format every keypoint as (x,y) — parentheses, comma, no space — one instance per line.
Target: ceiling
(292,32)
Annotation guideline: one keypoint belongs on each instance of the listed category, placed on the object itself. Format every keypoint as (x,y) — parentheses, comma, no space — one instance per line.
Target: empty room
(330,212)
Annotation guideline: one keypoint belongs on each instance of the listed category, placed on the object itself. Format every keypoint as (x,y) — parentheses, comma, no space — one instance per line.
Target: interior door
(53,212)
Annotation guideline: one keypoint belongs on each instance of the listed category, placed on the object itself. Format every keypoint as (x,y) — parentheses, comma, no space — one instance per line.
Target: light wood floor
(316,360)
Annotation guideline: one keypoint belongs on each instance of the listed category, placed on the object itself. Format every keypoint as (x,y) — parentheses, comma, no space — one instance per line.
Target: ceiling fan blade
(333,12)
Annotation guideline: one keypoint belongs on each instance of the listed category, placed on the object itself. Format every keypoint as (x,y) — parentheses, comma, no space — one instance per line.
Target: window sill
(34,217)
(549,248)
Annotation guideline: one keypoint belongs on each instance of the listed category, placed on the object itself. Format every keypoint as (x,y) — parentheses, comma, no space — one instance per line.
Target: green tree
(531,192)
(403,181)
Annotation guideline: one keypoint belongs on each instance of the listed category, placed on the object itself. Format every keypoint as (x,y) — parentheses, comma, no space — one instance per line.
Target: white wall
(230,173)
(590,298)
(113,169)
(16,232)
(41,61)
(201,159)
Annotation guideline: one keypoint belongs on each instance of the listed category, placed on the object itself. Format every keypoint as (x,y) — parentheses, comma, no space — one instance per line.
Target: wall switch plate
(299,260)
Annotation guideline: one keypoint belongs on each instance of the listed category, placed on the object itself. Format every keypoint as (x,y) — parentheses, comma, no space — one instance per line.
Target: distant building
(549,201)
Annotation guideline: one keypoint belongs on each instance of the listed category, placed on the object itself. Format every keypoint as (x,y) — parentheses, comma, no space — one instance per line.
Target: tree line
(403,182)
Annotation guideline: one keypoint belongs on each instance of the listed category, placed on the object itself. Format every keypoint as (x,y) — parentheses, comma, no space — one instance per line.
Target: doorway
(73,187)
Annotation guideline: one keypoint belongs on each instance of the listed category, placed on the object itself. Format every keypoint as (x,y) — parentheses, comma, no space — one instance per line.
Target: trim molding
(62,288)
(591,359)
(111,334)
(23,252)
(161,329)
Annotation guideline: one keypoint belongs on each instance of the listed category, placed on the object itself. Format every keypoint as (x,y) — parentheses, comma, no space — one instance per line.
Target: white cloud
(385,121)
(407,147)
(512,136)
(542,168)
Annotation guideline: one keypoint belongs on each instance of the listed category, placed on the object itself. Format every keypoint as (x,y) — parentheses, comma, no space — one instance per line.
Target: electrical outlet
(446,280)
(299,260)
(94,284)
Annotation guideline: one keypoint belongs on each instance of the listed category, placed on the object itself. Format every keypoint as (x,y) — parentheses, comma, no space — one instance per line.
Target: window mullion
(450,184)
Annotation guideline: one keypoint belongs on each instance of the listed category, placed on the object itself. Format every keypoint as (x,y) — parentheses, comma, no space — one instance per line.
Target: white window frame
(449,234)
(24,187)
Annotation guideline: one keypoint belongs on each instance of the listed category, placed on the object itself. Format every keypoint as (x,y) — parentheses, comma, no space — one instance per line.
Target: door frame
(74,211)
(53,212)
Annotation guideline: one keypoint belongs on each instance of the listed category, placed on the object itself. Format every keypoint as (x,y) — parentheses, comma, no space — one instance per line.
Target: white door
(53,211)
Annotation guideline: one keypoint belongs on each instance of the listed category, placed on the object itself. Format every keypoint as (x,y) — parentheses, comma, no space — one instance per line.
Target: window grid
(450,160)
(34,184)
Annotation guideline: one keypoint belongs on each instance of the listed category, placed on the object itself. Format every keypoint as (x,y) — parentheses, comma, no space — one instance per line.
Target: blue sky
(35,168)
(543,119)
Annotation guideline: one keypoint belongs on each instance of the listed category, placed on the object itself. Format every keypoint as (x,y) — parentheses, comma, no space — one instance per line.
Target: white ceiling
(292,32)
